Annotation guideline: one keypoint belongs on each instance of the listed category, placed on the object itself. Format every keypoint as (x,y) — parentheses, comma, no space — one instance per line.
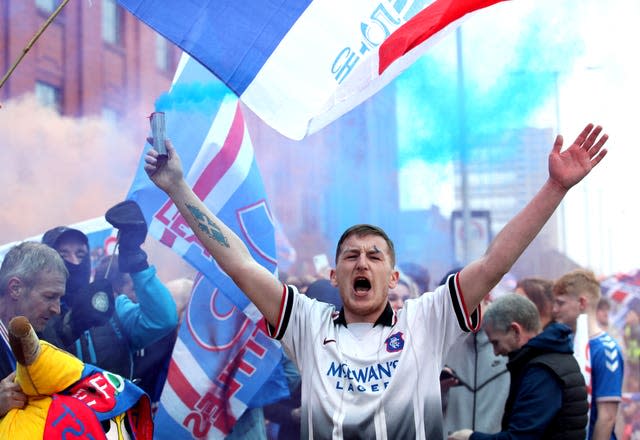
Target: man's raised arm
(566,168)
(260,285)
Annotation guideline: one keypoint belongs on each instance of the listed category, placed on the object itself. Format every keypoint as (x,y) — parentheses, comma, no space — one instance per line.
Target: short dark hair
(540,291)
(27,261)
(365,229)
(603,304)
(419,274)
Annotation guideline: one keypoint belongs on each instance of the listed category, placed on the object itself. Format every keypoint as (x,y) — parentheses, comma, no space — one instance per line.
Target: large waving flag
(222,358)
(301,64)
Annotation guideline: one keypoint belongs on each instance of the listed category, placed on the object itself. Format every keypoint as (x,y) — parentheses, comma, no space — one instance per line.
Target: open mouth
(361,285)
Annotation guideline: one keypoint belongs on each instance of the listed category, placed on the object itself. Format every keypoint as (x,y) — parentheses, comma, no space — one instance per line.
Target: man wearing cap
(93,303)
(92,320)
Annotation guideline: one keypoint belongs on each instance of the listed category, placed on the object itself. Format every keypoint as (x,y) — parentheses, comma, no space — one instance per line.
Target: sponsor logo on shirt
(371,378)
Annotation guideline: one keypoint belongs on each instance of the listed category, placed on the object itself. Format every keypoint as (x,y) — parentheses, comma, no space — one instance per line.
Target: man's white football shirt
(383,385)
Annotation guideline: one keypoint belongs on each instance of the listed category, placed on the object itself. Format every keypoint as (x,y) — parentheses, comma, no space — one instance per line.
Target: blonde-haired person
(575,293)
(405,289)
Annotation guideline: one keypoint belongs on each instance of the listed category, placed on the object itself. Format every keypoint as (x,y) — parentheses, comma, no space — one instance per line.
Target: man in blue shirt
(576,293)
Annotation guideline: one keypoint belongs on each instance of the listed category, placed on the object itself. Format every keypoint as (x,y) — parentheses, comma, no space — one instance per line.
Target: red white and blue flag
(223,357)
(301,64)
(624,290)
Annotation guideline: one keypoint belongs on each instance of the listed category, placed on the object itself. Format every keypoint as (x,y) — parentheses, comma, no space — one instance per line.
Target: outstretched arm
(566,168)
(260,285)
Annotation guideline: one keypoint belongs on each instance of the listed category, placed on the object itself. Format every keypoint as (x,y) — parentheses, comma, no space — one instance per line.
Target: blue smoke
(194,97)
(428,111)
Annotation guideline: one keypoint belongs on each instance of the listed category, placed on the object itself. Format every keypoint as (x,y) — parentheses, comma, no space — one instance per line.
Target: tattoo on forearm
(206,225)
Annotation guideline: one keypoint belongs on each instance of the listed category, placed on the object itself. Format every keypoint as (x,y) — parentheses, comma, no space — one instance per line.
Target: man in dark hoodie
(94,326)
(547,396)
(84,304)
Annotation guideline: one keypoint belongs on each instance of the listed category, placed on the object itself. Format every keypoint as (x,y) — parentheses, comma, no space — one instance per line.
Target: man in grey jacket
(481,385)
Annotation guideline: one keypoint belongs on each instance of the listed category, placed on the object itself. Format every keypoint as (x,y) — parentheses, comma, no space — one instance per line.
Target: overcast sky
(512,51)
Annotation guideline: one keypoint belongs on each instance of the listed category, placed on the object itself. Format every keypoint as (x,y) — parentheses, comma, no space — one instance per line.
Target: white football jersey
(384,385)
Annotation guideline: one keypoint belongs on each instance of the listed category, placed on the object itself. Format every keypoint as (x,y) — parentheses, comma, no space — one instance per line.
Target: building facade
(93,59)
(504,173)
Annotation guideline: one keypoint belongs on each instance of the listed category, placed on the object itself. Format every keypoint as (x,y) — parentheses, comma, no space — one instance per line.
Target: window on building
(162,53)
(47,5)
(49,96)
(110,22)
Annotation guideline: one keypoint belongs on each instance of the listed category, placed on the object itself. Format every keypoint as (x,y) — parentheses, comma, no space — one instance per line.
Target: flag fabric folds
(101,236)
(624,290)
(222,364)
(222,357)
(301,64)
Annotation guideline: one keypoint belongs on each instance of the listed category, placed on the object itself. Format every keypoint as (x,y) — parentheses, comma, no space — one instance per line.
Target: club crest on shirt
(395,342)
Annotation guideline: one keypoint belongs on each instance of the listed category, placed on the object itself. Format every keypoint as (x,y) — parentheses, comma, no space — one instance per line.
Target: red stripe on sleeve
(467,316)
(283,301)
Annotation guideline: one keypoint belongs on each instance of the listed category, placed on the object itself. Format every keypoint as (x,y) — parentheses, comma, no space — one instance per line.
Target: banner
(222,358)
(101,236)
(301,64)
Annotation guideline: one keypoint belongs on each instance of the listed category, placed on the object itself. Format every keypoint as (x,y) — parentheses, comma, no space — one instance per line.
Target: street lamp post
(462,143)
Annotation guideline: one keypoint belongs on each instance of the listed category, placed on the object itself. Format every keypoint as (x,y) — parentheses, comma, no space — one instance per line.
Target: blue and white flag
(101,235)
(222,363)
(301,64)
(222,357)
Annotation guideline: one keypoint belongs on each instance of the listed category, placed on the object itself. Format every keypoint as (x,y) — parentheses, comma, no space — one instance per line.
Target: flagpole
(28,47)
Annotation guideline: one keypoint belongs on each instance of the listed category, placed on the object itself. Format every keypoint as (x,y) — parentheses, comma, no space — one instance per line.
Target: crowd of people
(373,349)
(475,381)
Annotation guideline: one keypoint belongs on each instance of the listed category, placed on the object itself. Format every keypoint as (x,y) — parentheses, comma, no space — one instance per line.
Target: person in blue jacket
(547,396)
(96,327)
